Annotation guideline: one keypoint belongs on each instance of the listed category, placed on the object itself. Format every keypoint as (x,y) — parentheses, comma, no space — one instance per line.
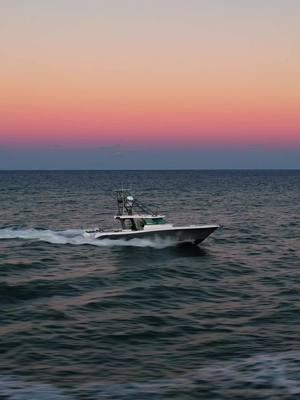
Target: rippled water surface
(82,319)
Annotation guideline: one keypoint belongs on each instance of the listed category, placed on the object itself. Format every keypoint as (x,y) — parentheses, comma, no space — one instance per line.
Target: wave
(14,388)
(267,376)
(76,237)
(261,376)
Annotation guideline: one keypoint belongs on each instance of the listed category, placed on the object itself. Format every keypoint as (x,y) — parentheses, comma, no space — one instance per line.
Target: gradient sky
(159,78)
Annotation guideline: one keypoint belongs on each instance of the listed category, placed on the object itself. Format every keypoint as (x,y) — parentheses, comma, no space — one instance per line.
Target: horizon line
(143,169)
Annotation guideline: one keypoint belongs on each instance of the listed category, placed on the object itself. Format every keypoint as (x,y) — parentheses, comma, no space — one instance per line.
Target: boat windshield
(154,221)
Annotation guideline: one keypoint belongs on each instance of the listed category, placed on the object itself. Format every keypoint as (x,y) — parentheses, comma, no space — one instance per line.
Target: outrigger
(139,221)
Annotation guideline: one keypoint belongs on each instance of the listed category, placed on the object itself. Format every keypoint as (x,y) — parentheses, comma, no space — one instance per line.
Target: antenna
(126,203)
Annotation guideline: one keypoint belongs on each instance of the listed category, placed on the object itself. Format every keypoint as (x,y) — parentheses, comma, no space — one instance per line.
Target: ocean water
(82,319)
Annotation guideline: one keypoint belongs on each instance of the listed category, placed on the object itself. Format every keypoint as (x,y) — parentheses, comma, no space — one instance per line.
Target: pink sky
(139,73)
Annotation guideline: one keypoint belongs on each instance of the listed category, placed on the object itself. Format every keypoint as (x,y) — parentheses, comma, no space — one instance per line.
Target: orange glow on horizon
(194,75)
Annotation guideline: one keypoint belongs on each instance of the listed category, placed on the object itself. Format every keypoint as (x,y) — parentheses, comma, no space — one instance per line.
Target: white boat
(138,221)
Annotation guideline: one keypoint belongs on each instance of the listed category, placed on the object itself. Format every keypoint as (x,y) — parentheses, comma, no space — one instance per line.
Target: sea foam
(76,237)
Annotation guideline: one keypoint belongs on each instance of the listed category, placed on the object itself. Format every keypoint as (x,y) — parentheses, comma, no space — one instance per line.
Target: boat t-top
(140,222)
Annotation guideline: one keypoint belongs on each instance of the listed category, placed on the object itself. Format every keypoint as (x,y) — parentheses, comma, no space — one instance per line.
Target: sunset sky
(122,81)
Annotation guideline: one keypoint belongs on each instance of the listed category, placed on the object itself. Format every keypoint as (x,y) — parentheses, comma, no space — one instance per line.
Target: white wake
(76,237)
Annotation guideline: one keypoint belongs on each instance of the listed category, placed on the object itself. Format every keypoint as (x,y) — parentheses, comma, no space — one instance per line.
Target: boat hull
(193,234)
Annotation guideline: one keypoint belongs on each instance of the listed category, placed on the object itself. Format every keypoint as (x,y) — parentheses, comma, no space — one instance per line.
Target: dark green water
(88,320)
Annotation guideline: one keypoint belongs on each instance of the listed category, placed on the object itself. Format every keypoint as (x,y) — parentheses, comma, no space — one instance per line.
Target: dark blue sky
(115,157)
